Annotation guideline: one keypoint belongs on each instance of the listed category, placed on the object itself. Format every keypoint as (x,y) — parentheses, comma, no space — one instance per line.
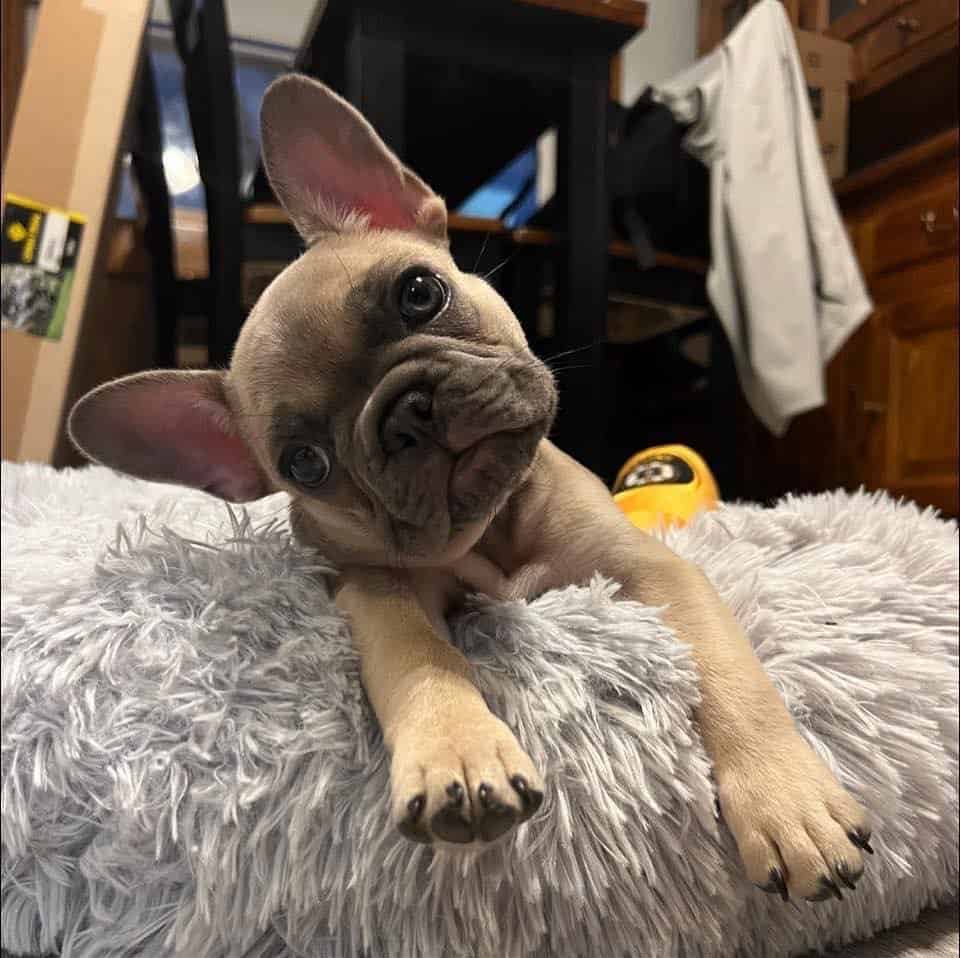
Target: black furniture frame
(558,62)
(370,52)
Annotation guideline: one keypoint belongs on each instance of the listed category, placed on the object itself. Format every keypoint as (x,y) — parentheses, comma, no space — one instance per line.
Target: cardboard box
(828,67)
(61,328)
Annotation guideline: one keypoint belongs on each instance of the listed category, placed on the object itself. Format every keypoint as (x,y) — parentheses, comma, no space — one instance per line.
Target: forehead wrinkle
(288,422)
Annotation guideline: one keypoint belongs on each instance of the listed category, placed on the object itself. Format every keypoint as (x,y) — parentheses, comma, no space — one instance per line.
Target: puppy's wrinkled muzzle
(448,436)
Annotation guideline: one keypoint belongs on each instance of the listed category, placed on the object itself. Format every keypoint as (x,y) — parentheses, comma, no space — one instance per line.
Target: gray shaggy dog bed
(190,766)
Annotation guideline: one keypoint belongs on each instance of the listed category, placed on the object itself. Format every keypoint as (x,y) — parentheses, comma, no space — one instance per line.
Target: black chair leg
(725,456)
(582,306)
(203,42)
(147,160)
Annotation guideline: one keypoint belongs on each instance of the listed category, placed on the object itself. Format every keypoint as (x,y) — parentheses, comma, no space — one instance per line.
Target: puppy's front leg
(457,772)
(795,826)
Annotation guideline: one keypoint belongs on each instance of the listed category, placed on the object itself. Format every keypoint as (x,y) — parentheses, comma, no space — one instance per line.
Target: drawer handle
(908,24)
(873,408)
(928,221)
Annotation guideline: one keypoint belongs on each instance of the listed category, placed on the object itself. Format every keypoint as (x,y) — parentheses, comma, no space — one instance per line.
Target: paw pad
(496,817)
(450,822)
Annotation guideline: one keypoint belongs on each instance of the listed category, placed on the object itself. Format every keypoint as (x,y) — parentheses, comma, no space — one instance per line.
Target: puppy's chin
(487,473)
(445,438)
(465,493)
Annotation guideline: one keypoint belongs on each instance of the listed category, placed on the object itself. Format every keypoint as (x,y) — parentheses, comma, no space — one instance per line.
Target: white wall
(272,21)
(668,44)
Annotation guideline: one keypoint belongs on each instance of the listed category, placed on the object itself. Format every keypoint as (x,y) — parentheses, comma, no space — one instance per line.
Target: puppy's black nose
(409,422)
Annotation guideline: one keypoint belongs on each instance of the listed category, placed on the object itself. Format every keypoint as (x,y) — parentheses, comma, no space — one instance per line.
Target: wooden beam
(14,23)
(632,13)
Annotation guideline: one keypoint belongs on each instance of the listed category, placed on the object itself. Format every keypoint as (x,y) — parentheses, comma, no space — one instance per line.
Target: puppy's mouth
(447,436)
(485,473)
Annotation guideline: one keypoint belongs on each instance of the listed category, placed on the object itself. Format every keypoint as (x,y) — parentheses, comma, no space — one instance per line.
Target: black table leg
(582,306)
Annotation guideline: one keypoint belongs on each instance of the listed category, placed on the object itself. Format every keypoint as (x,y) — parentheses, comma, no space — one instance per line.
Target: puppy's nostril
(420,403)
(407,422)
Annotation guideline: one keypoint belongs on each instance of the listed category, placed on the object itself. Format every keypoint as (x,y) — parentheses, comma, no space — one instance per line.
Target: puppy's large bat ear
(169,427)
(331,171)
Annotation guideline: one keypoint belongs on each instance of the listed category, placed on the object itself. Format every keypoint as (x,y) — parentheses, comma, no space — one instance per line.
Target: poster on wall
(40,248)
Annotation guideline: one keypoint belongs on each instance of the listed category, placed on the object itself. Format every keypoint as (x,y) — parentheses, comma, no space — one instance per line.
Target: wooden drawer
(925,225)
(922,426)
(904,28)
(865,14)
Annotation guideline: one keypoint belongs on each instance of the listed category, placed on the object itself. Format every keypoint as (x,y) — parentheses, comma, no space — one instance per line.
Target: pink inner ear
(373,186)
(213,458)
(177,432)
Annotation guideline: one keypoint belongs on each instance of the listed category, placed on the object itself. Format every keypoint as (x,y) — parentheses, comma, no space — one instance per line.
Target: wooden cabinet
(891,38)
(894,387)
(891,416)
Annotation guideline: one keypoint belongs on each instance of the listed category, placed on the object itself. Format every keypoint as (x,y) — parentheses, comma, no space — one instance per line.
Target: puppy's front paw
(798,831)
(461,780)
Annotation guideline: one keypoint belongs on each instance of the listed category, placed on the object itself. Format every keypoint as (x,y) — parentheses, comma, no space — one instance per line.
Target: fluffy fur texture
(190,765)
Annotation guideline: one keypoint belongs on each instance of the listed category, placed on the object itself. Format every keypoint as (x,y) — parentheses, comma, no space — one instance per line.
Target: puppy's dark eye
(421,296)
(305,463)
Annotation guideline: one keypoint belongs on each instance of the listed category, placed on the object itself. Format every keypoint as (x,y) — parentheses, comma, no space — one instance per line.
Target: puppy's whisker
(499,266)
(567,352)
(483,249)
(346,272)
(566,369)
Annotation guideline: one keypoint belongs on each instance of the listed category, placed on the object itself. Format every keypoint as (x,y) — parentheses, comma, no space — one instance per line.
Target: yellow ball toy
(665,485)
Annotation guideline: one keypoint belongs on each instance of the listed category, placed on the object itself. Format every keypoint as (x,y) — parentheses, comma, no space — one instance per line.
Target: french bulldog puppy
(395,399)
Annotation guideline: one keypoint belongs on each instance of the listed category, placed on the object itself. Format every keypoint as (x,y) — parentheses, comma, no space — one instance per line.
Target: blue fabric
(497,194)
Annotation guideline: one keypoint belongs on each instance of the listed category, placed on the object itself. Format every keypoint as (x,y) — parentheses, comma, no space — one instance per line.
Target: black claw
(861,839)
(415,807)
(832,885)
(848,877)
(532,798)
(411,827)
(828,888)
(776,885)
